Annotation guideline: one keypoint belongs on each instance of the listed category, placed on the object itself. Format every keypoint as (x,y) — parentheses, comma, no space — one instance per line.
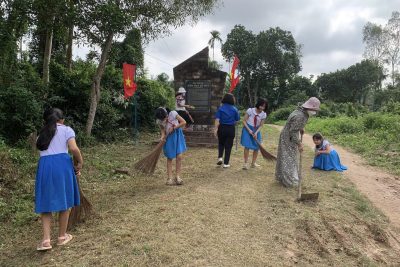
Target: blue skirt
(329,162)
(247,140)
(175,144)
(56,187)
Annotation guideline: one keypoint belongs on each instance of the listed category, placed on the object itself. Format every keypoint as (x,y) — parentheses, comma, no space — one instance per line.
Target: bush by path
(375,135)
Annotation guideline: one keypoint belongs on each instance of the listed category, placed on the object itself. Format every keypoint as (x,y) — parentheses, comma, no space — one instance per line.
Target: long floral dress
(286,171)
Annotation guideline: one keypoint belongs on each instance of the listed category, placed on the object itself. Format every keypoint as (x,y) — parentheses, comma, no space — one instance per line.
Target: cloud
(330,31)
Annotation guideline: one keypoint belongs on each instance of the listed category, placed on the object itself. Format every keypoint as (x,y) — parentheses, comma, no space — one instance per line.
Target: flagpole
(237,126)
(135,126)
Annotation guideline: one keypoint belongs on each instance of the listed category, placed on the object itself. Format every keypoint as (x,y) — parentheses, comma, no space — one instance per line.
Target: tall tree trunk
(70,38)
(47,52)
(20,50)
(95,91)
(69,46)
(249,92)
(256,91)
(393,74)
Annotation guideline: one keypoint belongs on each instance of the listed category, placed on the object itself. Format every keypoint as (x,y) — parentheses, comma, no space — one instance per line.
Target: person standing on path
(286,171)
(180,107)
(225,120)
(253,121)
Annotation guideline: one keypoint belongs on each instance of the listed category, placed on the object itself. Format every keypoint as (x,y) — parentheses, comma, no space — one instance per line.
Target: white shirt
(171,120)
(59,143)
(252,113)
(180,102)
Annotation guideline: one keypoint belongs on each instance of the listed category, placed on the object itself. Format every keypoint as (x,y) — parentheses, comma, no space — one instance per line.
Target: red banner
(234,80)
(129,72)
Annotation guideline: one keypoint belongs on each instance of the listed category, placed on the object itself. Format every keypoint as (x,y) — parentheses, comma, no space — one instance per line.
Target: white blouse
(252,113)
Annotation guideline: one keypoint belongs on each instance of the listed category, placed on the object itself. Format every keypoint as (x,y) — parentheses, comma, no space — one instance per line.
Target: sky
(330,31)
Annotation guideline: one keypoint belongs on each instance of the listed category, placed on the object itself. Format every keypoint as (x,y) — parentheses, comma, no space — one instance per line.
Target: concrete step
(201,140)
(196,144)
(196,133)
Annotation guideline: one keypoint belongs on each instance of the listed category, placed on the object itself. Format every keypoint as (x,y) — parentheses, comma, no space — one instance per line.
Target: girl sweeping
(171,132)
(56,188)
(326,158)
(252,123)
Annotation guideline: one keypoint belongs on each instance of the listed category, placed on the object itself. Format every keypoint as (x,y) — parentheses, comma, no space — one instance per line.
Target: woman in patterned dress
(286,171)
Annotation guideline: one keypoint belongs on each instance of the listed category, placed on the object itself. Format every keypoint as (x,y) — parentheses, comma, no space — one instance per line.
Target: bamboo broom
(76,214)
(266,155)
(149,162)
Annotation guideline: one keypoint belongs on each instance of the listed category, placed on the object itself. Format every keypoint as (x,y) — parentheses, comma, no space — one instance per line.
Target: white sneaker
(170,181)
(246,166)
(179,181)
(219,161)
(255,165)
(226,166)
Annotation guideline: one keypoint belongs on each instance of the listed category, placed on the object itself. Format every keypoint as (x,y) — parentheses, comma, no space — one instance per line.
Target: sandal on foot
(64,239)
(44,245)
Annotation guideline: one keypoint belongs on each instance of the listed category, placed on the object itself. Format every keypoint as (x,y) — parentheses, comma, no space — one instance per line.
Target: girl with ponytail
(56,187)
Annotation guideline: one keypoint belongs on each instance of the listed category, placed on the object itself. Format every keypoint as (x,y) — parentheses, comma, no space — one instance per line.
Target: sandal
(44,245)
(64,239)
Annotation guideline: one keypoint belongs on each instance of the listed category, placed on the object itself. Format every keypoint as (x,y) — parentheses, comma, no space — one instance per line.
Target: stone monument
(204,89)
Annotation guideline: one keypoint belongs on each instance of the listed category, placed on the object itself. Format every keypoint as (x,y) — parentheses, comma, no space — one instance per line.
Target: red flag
(129,72)
(234,80)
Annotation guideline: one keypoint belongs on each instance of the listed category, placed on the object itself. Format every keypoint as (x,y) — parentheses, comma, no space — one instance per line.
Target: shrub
(153,94)
(335,126)
(391,107)
(280,114)
(20,113)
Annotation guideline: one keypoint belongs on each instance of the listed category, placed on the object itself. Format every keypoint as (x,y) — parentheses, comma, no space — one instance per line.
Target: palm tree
(215,36)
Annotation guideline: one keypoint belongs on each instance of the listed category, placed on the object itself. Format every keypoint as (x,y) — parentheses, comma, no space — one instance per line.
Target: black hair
(318,136)
(46,134)
(228,99)
(161,113)
(178,94)
(262,102)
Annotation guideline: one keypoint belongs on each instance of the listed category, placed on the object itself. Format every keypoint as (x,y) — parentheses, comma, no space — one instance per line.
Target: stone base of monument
(202,135)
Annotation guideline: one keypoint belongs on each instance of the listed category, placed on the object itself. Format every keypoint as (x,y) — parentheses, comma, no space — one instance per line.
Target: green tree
(383,43)
(129,51)
(215,36)
(242,43)
(101,21)
(352,84)
(14,22)
(49,17)
(267,60)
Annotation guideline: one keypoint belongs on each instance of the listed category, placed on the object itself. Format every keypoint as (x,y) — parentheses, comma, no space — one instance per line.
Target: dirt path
(381,188)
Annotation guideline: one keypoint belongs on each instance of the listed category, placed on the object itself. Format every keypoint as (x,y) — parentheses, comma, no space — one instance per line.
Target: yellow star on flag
(128,82)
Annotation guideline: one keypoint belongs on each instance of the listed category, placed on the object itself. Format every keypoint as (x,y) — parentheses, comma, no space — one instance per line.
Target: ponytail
(46,134)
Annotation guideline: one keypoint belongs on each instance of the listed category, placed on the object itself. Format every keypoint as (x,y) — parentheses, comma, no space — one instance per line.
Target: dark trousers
(186,116)
(226,134)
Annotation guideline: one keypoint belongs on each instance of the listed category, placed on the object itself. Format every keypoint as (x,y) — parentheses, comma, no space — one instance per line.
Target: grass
(375,136)
(219,217)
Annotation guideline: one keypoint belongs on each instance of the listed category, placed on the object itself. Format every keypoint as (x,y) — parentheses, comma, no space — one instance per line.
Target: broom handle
(299,171)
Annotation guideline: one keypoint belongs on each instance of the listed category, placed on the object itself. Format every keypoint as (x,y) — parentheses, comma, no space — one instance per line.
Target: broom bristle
(266,155)
(85,208)
(149,162)
(76,214)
